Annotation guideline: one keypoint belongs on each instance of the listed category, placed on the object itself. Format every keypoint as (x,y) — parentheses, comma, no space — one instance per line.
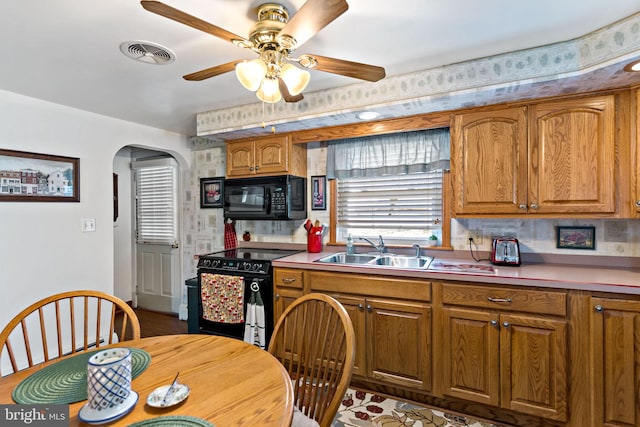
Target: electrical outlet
(476,235)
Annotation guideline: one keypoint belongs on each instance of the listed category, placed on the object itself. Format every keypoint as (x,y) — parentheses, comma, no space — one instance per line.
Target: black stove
(250,260)
(253,267)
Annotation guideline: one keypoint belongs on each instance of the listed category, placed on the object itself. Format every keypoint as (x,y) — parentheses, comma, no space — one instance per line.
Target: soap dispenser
(350,248)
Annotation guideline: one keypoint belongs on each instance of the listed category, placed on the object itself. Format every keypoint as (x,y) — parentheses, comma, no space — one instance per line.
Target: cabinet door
(470,355)
(399,342)
(283,297)
(637,151)
(355,308)
(571,159)
(533,366)
(288,286)
(271,155)
(616,358)
(489,162)
(240,159)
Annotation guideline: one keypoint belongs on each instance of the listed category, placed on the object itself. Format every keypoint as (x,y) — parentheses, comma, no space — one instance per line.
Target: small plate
(91,416)
(180,393)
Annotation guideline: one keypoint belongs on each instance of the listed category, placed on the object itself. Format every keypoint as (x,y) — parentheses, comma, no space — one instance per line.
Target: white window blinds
(156,210)
(390,185)
(400,202)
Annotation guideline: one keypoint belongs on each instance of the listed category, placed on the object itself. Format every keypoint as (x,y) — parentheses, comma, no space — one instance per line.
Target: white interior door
(158,284)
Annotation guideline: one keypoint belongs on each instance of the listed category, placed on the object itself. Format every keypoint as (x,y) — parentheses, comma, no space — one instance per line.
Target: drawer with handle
(288,277)
(505,298)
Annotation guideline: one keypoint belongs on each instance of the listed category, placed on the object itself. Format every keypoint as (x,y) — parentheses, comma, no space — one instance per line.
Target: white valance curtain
(393,154)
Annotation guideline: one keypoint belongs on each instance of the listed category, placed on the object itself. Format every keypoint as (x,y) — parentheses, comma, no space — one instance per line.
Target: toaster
(505,251)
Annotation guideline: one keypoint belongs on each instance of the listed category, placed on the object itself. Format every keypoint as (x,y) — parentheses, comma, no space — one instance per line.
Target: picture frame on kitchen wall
(212,192)
(319,193)
(36,177)
(576,237)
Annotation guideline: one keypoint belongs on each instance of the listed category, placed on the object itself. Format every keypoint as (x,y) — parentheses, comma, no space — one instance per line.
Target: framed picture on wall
(212,192)
(34,177)
(576,238)
(319,193)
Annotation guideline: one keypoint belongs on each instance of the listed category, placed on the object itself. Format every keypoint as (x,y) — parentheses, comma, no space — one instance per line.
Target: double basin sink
(387,260)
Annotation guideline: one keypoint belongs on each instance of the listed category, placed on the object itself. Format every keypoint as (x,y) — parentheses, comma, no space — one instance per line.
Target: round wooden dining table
(232,383)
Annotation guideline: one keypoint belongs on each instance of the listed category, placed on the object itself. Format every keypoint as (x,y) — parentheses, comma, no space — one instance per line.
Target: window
(390,185)
(399,207)
(156,210)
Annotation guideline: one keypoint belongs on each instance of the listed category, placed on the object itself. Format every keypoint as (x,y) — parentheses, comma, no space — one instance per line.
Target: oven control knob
(215,263)
(257,266)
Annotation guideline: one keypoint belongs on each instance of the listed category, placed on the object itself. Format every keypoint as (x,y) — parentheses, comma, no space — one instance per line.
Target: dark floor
(153,323)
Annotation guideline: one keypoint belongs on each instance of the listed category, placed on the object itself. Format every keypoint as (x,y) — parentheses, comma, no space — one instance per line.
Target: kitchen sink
(387,260)
(404,261)
(345,258)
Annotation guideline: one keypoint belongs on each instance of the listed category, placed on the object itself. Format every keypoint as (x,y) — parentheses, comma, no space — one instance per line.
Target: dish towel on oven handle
(222,298)
(230,237)
(254,328)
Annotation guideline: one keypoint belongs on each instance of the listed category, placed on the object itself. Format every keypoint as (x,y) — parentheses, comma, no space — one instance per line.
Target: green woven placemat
(66,381)
(173,421)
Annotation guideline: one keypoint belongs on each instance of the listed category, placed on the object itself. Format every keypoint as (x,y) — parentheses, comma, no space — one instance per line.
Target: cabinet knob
(534,206)
(506,324)
(494,323)
(369,308)
(277,296)
(360,306)
(257,167)
(637,203)
(251,168)
(598,308)
(522,207)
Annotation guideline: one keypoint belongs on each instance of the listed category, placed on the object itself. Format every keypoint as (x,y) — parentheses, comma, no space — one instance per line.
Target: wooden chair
(66,323)
(315,341)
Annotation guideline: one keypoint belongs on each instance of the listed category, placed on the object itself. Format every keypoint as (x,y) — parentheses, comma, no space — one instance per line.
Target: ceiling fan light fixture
(295,78)
(251,73)
(268,91)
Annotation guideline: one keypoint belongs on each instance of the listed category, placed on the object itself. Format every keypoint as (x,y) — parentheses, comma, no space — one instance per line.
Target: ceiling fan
(274,37)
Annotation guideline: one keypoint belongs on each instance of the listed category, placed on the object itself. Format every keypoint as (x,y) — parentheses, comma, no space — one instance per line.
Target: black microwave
(267,197)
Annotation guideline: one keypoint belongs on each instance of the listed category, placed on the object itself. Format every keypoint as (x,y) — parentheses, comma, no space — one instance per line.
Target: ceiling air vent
(148,52)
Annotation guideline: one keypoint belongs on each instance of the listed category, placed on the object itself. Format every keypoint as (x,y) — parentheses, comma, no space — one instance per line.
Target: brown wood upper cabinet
(636,118)
(555,157)
(274,155)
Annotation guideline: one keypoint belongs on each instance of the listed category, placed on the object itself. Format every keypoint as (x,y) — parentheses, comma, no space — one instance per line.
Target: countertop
(550,275)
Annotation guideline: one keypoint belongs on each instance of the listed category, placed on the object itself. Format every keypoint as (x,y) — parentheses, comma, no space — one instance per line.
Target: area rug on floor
(360,409)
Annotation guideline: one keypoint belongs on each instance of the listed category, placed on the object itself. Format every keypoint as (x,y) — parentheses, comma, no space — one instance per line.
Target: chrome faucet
(380,247)
(416,247)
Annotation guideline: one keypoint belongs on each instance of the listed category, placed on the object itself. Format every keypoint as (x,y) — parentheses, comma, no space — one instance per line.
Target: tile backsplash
(203,228)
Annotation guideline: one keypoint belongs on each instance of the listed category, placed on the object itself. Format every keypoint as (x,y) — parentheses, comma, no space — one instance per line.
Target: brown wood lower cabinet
(392,323)
(521,356)
(492,355)
(615,325)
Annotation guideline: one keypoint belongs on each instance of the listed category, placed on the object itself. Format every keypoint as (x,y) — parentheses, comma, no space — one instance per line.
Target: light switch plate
(88,225)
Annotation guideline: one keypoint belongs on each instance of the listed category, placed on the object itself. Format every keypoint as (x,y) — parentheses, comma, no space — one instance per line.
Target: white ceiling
(67,51)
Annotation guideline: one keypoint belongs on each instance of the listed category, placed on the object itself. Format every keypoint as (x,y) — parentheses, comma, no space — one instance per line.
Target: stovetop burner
(258,254)
(255,260)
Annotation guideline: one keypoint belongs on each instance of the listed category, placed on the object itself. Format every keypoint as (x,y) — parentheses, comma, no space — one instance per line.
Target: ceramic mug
(108,378)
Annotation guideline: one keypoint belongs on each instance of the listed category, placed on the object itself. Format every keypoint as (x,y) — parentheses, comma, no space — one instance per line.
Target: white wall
(123,277)
(43,249)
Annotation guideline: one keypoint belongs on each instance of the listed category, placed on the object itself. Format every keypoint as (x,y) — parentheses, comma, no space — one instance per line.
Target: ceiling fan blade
(356,70)
(313,16)
(162,9)
(284,91)
(213,71)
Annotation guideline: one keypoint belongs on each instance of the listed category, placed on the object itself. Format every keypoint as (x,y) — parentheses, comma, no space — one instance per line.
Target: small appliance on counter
(505,251)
